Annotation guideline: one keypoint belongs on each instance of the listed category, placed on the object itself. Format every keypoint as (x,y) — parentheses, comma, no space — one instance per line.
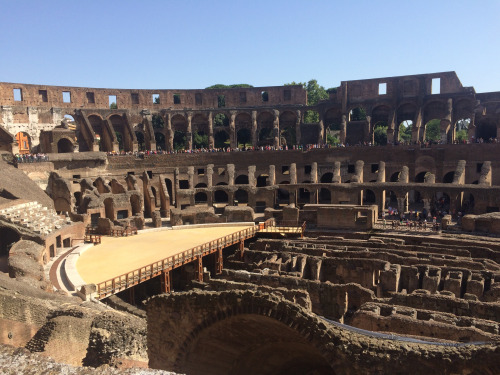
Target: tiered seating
(35,217)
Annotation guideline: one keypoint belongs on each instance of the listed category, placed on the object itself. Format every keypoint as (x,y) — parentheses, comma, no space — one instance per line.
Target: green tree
(461,135)
(200,140)
(113,106)
(157,122)
(380,133)
(432,130)
(332,139)
(405,131)
(358,114)
(315,93)
(234,86)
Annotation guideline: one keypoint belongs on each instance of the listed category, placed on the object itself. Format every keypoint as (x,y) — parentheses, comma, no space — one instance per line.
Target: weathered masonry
(257,116)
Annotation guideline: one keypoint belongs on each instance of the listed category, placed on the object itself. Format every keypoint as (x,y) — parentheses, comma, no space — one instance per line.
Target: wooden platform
(117,256)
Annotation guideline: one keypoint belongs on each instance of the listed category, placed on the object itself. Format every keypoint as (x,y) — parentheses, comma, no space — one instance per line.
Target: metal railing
(139,275)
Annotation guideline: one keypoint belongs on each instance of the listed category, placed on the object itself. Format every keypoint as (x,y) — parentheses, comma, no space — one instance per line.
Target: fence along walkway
(163,266)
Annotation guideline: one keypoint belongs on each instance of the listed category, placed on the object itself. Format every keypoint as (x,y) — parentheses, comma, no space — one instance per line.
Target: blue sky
(194,44)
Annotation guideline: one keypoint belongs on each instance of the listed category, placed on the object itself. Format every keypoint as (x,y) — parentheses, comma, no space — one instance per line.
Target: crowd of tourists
(31,158)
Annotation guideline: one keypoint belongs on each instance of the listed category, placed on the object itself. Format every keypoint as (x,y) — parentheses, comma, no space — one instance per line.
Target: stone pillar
(210,131)
(368,136)
(276,128)
(190,173)
(427,204)
(416,130)
(255,136)
(189,133)
(33,126)
(314,173)
(446,121)
(471,132)
(176,186)
(210,174)
(170,133)
(336,173)
(252,181)
(230,174)
(232,130)
(381,171)
(402,205)
(298,134)
(343,129)
(272,175)
(391,128)
(321,132)
(293,174)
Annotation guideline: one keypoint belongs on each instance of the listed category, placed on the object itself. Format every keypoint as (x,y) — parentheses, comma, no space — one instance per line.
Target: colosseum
(218,231)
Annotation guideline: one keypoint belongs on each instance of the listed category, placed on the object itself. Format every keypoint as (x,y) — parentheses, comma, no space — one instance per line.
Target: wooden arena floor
(118,255)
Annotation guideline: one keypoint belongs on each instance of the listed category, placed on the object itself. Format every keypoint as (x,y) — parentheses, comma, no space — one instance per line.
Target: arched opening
(304,196)
(421,176)
(160,141)
(288,120)
(327,178)
(24,142)
(135,204)
(282,197)
(395,177)
(64,146)
(242,179)
(200,198)
(369,197)
(380,133)
(405,130)
(157,122)
(244,138)
(391,200)
(168,183)
(221,139)
(200,139)
(266,137)
(103,137)
(123,137)
(288,137)
(155,196)
(8,238)
(415,202)
(220,120)
(265,124)
(332,120)
(262,180)
(141,144)
(220,196)
(486,130)
(61,205)
(222,183)
(253,344)
(432,131)
(325,196)
(109,209)
(441,204)
(241,196)
(462,130)
(180,140)
(468,204)
(448,177)
(200,185)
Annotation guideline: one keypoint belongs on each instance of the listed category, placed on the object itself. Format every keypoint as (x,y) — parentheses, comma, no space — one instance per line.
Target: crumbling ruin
(398,269)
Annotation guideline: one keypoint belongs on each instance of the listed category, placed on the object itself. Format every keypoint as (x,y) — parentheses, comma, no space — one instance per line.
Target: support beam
(165,278)
(218,262)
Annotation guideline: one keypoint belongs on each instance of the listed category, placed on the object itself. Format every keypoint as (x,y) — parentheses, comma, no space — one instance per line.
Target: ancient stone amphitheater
(127,245)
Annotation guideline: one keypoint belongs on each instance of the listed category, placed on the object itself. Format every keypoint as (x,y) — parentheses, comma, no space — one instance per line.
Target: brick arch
(270,310)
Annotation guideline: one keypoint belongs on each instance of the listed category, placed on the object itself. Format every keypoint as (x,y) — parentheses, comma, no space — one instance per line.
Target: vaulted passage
(252,344)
